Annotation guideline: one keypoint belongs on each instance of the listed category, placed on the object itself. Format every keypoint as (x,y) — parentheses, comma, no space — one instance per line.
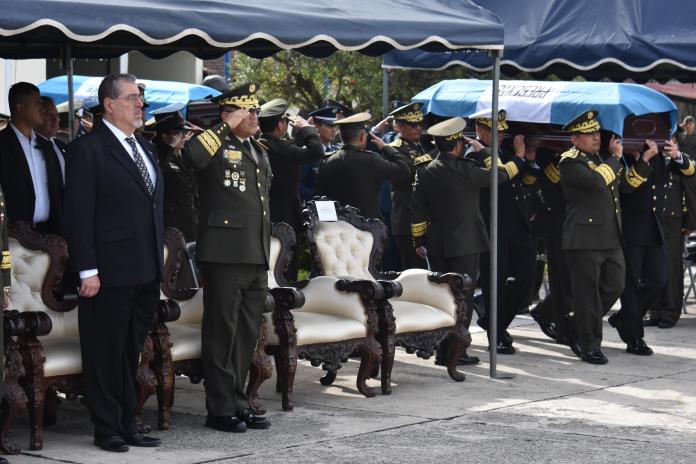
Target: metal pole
(493,316)
(385,93)
(71,92)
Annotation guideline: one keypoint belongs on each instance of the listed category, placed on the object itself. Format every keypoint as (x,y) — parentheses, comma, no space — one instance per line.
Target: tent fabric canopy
(259,28)
(549,102)
(617,39)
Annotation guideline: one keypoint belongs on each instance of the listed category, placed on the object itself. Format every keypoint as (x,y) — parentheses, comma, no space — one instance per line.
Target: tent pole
(71,93)
(385,93)
(493,316)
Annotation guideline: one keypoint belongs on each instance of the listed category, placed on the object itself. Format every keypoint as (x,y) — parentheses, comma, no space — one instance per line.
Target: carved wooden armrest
(168,311)
(457,282)
(367,289)
(392,288)
(13,324)
(37,323)
(286,298)
(269,304)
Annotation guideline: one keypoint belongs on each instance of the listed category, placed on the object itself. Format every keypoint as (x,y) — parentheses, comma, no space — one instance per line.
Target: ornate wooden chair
(50,345)
(326,321)
(426,308)
(14,399)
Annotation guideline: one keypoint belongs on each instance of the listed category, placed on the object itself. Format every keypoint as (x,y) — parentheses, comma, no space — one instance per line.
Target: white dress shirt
(148,164)
(39,177)
(59,154)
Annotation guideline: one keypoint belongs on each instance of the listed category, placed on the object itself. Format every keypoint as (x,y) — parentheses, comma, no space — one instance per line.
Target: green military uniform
(353,176)
(234,179)
(592,237)
(446,217)
(180,186)
(401,190)
(5,274)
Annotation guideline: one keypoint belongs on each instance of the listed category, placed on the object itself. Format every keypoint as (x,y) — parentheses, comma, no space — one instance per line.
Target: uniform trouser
(234,298)
(516,265)
(596,280)
(646,274)
(668,306)
(467,264)
(113,325)
(556,305)
(407,253)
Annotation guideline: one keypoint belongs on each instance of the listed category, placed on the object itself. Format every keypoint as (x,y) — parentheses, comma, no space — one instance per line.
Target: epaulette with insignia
(570,154)
(396,143)
(329,153)
(422,159)
(258,142)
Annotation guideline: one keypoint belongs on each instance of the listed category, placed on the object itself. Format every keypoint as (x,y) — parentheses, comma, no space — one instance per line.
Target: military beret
(243,97)
(409,113)
(451,129)
(326,115)
(358,118)
(586,123)
(275,107)
(485,118)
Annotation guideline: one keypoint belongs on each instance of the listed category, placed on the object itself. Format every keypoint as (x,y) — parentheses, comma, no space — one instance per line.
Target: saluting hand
(233,118)
(478,146)
(89,286)
(298,121)
(379,142)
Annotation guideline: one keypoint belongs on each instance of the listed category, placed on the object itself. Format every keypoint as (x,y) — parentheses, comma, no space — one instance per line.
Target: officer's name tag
(326,210)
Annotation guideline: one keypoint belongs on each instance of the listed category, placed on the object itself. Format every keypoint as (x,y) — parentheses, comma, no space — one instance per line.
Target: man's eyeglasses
(132,98)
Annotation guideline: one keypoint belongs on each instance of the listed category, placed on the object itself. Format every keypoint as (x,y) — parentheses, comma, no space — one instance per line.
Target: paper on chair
(326,210)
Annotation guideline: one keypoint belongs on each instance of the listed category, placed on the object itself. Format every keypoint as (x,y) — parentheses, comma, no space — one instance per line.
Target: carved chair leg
(328,378)
(388,344)
(286,366)
(34,359)
(51,406)
(145,382)
(370,354)
(456,344)
(14,399)
(163,368)
(260,370)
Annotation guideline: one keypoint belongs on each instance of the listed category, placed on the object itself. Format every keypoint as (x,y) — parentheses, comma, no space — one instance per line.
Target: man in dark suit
(50,128)
(324,121)
(446,220)
(113,205)
(287,156)
(30,171)
(354,175)
(234,239)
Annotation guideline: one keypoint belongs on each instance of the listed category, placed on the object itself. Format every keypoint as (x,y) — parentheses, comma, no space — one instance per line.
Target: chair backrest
(38,266)
(350,247)
(179,280)
(283,242)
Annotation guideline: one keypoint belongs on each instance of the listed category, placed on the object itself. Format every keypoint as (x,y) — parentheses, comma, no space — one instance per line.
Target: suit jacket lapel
(18,152)
(123,157)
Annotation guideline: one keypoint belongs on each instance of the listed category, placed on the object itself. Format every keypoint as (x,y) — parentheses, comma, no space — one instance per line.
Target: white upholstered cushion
(29,268)
(344,250)
(63,356)
(186,341)
(413,317)
(273,259)
(191,309)
(418,289)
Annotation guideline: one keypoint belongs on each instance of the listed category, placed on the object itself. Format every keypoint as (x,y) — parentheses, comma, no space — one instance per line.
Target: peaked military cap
(326,115)
(243,97)
(359,118)
(485,118)
(275,107)
(451,129)
(586,123)
(409,113)
(141,88)
(169,118)
(340,108)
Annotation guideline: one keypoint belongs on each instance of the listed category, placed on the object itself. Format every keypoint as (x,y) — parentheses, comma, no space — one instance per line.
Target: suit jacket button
(226,221)
(589,220)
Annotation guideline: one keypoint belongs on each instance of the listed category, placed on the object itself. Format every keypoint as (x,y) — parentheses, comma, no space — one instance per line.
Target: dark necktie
(247,145)
(140,163)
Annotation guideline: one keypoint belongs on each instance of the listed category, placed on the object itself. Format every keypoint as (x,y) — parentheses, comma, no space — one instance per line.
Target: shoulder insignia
(570,154)
(396,143)
(422,159)
(258,142)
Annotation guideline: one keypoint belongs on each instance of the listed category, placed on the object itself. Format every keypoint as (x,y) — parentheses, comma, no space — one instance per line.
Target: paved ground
(556,410)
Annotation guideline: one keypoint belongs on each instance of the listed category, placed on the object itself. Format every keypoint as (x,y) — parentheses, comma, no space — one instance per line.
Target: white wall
(181,66)
(12,71)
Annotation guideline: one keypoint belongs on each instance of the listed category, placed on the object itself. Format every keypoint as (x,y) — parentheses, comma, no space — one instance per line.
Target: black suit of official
(233,251)
(286,157)
(180,192)
(644,242)
(516,248)
(115,226)
(16,181)
(353,176)
(401,202)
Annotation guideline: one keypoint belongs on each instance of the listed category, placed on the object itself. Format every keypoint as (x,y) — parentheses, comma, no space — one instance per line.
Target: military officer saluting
(180,186)
(408,121)
(447,226)
(353,175)
(286,157)
(234,178)
(592,231)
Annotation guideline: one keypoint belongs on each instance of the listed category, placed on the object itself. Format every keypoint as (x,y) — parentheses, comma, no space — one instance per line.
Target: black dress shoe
(545,326)
(640,348)
(226,424)
(505,349)
(143,441)
(594,357)
(576,349)
(3,460)
(666,324)
(465,360)
(253,421)
(114,443)
(652,322)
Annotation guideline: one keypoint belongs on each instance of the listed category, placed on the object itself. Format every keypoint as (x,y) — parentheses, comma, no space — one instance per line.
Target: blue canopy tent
(157,28)
(615,39)
(158,94)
